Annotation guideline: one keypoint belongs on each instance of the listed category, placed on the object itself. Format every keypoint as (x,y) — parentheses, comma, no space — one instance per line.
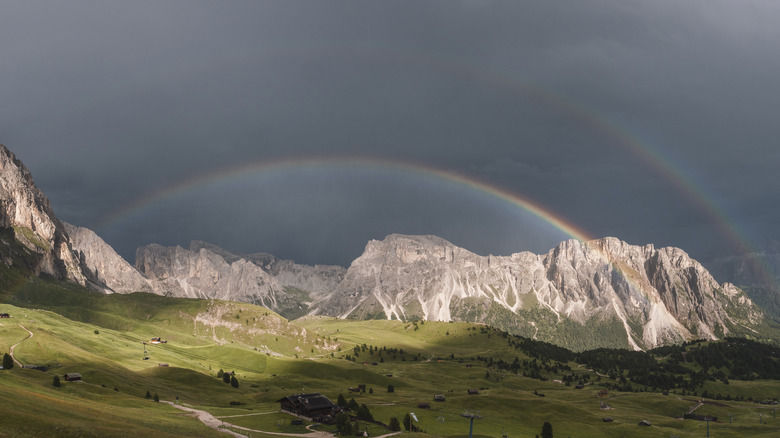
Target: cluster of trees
(532,369)
(542,350)
(744,359)
(376,352)
(344,425)
(228,377)
(686,366)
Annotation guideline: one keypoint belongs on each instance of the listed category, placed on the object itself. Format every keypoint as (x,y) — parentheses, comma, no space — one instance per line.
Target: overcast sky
(651,121)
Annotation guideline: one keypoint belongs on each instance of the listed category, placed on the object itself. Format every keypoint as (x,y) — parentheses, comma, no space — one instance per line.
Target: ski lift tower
(471,416)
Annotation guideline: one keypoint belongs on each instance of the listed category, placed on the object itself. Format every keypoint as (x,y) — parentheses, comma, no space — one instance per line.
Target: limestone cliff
(106,270)
(25,209)
(207,271)
(642,296)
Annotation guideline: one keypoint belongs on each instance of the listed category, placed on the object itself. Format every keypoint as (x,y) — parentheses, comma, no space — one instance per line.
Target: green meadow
(403,365)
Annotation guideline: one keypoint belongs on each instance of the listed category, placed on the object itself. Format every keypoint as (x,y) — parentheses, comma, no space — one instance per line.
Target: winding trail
(207,419)
(220,426)
(247,415)
(696,406)
(11,350)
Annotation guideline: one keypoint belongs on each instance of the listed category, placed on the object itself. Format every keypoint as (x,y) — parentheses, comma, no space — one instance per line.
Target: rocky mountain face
(27,211)
(605,292)
(107,271)
(207,271)
(757,273)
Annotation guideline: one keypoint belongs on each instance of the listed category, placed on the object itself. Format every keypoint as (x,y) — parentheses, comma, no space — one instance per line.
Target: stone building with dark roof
(314,405)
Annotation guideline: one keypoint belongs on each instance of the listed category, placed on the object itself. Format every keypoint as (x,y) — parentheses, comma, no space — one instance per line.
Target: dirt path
(215,423)
(207,419)
(248,415)
(696,406)
(11,350)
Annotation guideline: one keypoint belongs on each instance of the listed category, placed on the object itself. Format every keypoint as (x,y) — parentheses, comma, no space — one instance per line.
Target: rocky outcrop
(649,296)
(756,272)
(105,270)
(318,282)
(26,210)
(207,271)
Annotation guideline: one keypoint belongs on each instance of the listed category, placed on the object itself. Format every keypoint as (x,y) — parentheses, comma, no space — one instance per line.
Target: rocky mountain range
(756,272)
(603,293)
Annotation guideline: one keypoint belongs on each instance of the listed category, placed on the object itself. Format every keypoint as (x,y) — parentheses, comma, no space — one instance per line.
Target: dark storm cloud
(108,103)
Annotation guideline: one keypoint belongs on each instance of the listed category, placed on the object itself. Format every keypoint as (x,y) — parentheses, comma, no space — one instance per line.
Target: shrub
(56,381)
(390,388)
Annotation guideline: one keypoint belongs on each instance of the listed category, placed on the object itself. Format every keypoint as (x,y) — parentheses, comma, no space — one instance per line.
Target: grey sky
(652,121)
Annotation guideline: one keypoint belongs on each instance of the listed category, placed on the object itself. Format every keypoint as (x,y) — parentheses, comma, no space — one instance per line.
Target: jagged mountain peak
(106,270)
(646,296)
(28,211)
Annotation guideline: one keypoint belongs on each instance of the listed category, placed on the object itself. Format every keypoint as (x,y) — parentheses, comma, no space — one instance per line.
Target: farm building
(360,388)
(4,315)
(473,391)
(158,341)
(424,405)
(72,377)
(35,367)
(314,405)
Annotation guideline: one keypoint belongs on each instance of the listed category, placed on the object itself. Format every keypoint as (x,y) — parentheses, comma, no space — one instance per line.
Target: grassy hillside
(521,384)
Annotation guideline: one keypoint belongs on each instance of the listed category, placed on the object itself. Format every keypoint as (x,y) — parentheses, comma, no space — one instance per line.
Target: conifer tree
(8,362)
(547,430)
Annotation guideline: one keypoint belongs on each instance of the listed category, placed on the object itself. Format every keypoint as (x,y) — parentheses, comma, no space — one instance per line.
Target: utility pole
(471,416)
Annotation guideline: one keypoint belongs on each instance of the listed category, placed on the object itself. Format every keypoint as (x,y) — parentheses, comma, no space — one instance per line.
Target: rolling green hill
(521,383)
